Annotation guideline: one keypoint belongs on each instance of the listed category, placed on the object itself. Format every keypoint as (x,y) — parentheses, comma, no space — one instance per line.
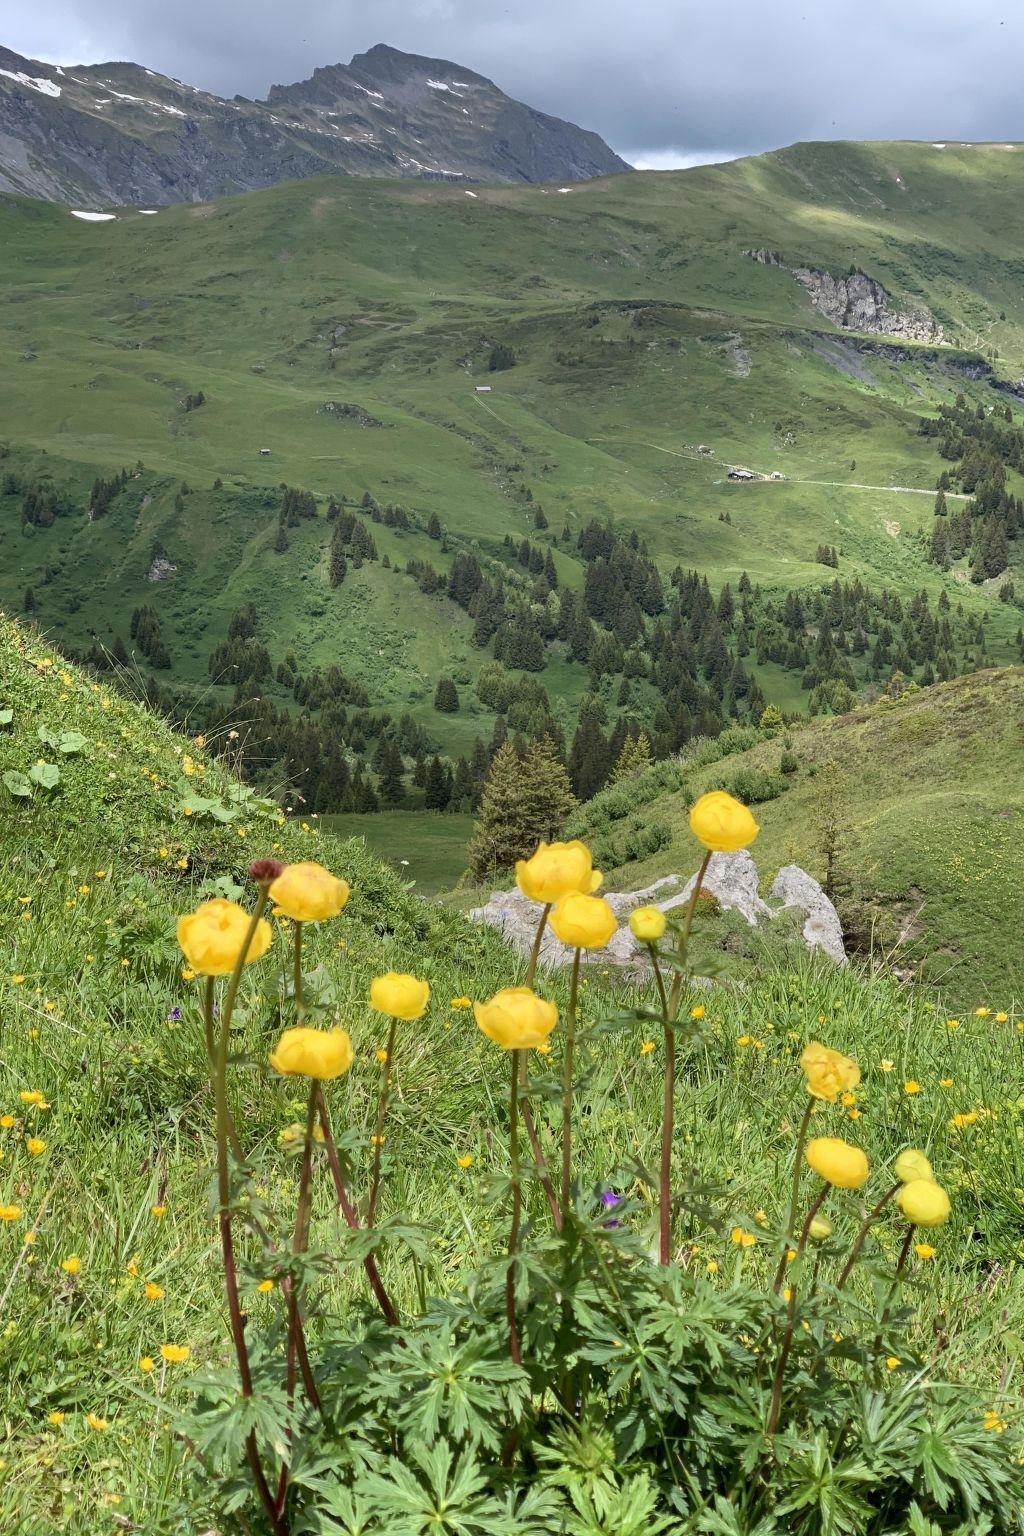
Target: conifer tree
(525,800)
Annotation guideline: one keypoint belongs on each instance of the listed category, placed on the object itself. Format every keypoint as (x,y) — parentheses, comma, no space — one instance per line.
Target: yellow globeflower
(308,893)
(583,922)
(175,1354)
(401,996)
(319,1053)
(721,823)
(517,1019)
(912,1164)
(924,1203)
(829,1072)
(212,936)
(555,870)
(837,1162)
(647,924)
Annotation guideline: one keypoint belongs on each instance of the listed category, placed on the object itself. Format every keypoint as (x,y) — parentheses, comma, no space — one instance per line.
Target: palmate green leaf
(425,1495)
(468,1390)
(630,1510)
(6,718)
(726,1520)
(17,784)
(825,1492)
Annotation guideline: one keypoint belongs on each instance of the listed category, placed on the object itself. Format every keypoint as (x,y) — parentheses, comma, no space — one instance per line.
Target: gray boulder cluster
(731,878)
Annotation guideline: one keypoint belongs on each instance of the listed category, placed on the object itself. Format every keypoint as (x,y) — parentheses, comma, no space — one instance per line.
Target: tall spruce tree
(525,800)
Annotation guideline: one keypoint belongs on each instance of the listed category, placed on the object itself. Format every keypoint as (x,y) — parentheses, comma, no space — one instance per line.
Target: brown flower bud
(265,871)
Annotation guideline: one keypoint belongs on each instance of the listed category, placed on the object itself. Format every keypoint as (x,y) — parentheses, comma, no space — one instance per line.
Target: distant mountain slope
(118,133)
(926,826)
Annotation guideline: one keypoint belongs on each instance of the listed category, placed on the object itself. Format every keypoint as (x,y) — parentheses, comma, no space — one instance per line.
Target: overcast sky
(666,82)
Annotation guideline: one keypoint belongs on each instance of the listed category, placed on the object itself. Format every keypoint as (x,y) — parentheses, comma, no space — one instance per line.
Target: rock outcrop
(860,303)
(857,302)
(731,878)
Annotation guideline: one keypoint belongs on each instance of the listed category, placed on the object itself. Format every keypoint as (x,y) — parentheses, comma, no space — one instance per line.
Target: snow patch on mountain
(34,82)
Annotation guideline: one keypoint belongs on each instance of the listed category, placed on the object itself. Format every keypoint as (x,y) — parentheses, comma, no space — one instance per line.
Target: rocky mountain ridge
(117,133)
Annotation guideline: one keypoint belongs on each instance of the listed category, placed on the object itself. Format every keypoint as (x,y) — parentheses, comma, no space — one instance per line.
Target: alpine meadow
(512,821)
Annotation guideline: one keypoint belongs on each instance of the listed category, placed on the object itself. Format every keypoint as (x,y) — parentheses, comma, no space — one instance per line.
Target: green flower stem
(348,1210)
(683,946)
(794,1199)
(787,1338)
(865,1228)
(535,1146)
(378,1135)
(531,969)
(667,1121)
(237,1317)
(901,1264)
(300,1007)
(567,1065)
(517,1206)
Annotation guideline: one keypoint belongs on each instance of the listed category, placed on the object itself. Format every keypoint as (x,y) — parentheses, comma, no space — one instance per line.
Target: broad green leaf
(46,775)
(17,784)
(70,742)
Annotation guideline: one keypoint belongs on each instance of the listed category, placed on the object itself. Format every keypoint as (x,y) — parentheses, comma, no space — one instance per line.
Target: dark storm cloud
(659,80)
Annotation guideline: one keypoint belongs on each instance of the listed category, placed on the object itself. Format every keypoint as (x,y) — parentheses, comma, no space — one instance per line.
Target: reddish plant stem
(348,1211)
(382,1109)
(517,1206)
(237,1318)
(858,1241)
(300,1239)
(897,1277)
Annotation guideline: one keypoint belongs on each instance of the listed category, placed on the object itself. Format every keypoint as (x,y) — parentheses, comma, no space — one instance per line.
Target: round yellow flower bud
(721,823)
(555,870)
(647,924)
(517,1019)
(837,1162)
(583,922)
(924,1203)
(820,1228)
(308,893)
(212,936)
(911,1165)
(829,1072)
(320,1053)
(403,997)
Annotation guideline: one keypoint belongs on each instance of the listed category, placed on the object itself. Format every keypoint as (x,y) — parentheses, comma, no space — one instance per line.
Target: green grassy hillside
(928,806)
(640,330)
(100,1023)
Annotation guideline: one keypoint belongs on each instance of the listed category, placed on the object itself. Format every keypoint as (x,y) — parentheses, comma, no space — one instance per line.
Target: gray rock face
(161,569)
(859,303)
(794,887)
(730,877)
(99,134)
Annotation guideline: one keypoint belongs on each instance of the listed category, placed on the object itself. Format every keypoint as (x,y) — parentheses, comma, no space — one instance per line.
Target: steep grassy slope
(640,330)
(929,812)
(99,1021)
